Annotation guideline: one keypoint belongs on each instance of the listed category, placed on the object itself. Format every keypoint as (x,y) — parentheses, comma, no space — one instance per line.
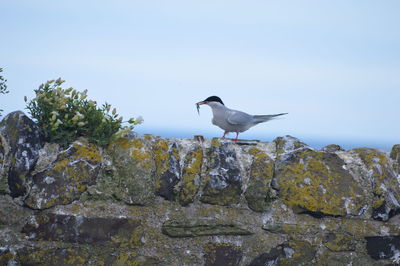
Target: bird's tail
(265,118)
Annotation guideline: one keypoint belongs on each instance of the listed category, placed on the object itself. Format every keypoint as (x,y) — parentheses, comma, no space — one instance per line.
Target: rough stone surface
(22,138)
(395,156)
(168,169)
(78,229)
(385,185)
(384,247)
(68,177)
(223,185)
(222,254)
(318,183)
(201,227)
(259,193)
(191,176)
(128,173)
(145,200)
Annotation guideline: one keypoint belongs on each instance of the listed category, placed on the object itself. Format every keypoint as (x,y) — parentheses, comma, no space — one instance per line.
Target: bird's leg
(223,137)
(236,139)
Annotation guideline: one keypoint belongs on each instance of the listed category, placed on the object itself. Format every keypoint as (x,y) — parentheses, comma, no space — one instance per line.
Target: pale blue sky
(333,65)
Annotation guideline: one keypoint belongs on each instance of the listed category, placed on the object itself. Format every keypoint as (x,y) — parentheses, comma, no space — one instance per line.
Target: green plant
(66,114)
(3,86)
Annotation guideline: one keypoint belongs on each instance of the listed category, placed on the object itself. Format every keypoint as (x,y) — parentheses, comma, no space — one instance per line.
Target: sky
(334,66)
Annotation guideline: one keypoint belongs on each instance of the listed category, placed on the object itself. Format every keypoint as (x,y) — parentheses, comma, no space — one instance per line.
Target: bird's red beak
(202,102)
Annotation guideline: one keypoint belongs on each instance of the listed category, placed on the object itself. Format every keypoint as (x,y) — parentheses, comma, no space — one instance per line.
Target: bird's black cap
(214,99)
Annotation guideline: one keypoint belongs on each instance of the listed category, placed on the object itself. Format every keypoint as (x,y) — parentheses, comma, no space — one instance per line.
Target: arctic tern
(232,120)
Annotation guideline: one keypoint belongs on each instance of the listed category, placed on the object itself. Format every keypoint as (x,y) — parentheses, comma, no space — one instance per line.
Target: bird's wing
(239,118)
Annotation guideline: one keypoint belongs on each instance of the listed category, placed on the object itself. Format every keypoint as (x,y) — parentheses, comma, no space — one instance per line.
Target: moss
(339,242)
(87,151)
(215,142)
(303,253)
(161,157)
(261,174)
(190,177)
(314,181)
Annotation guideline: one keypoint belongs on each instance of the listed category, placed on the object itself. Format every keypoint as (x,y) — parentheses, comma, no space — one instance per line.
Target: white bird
(232,120)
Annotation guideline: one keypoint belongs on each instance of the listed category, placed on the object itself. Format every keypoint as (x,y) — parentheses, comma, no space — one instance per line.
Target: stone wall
(145,200)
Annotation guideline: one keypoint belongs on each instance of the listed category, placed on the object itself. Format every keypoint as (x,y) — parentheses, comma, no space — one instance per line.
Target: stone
(332,148)
(52,256)
(339,242)
(287,144)
(384,247)
(395,156)
(384,183)
(224,180)
(288,253)
(201,227)
(258,193)
(222,254)
(67,178)
(270,258)
(82,230)
(168,169)
(191,176)
(318,183)
(128,173)
(22,139)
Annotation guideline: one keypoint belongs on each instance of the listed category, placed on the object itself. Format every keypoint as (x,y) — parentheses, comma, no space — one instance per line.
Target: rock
(258,193)
(4,189)
(168,169)
(22,139)
(128,173)
(340,242)
(270,258)
(317,183)
(83,230)
(191,176)
(297,253)
(67,178)
(384,183)
(222,254)
(332,148)
(52,256)
(384,247)
(289,253)
(395,156)
(201,227)
(288,144)
(224,180)
(7,207)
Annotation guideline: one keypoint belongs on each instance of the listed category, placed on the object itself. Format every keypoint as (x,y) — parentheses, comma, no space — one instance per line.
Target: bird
(232,120)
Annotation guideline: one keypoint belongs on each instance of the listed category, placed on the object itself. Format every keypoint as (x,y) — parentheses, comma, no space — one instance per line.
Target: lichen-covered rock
(385,186)
(83,230)
(384,247)
(23,140)
(168,169)
(332,148)
(191,176)
(4,189)
(395,156)
(201,227)
(317,183)
(259,193)
(11,214)
(222,254)
(287,144)
(52,256)
(289,253)
(67,178)
(297,253)
(128,173)
(224,179)
(340,242)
